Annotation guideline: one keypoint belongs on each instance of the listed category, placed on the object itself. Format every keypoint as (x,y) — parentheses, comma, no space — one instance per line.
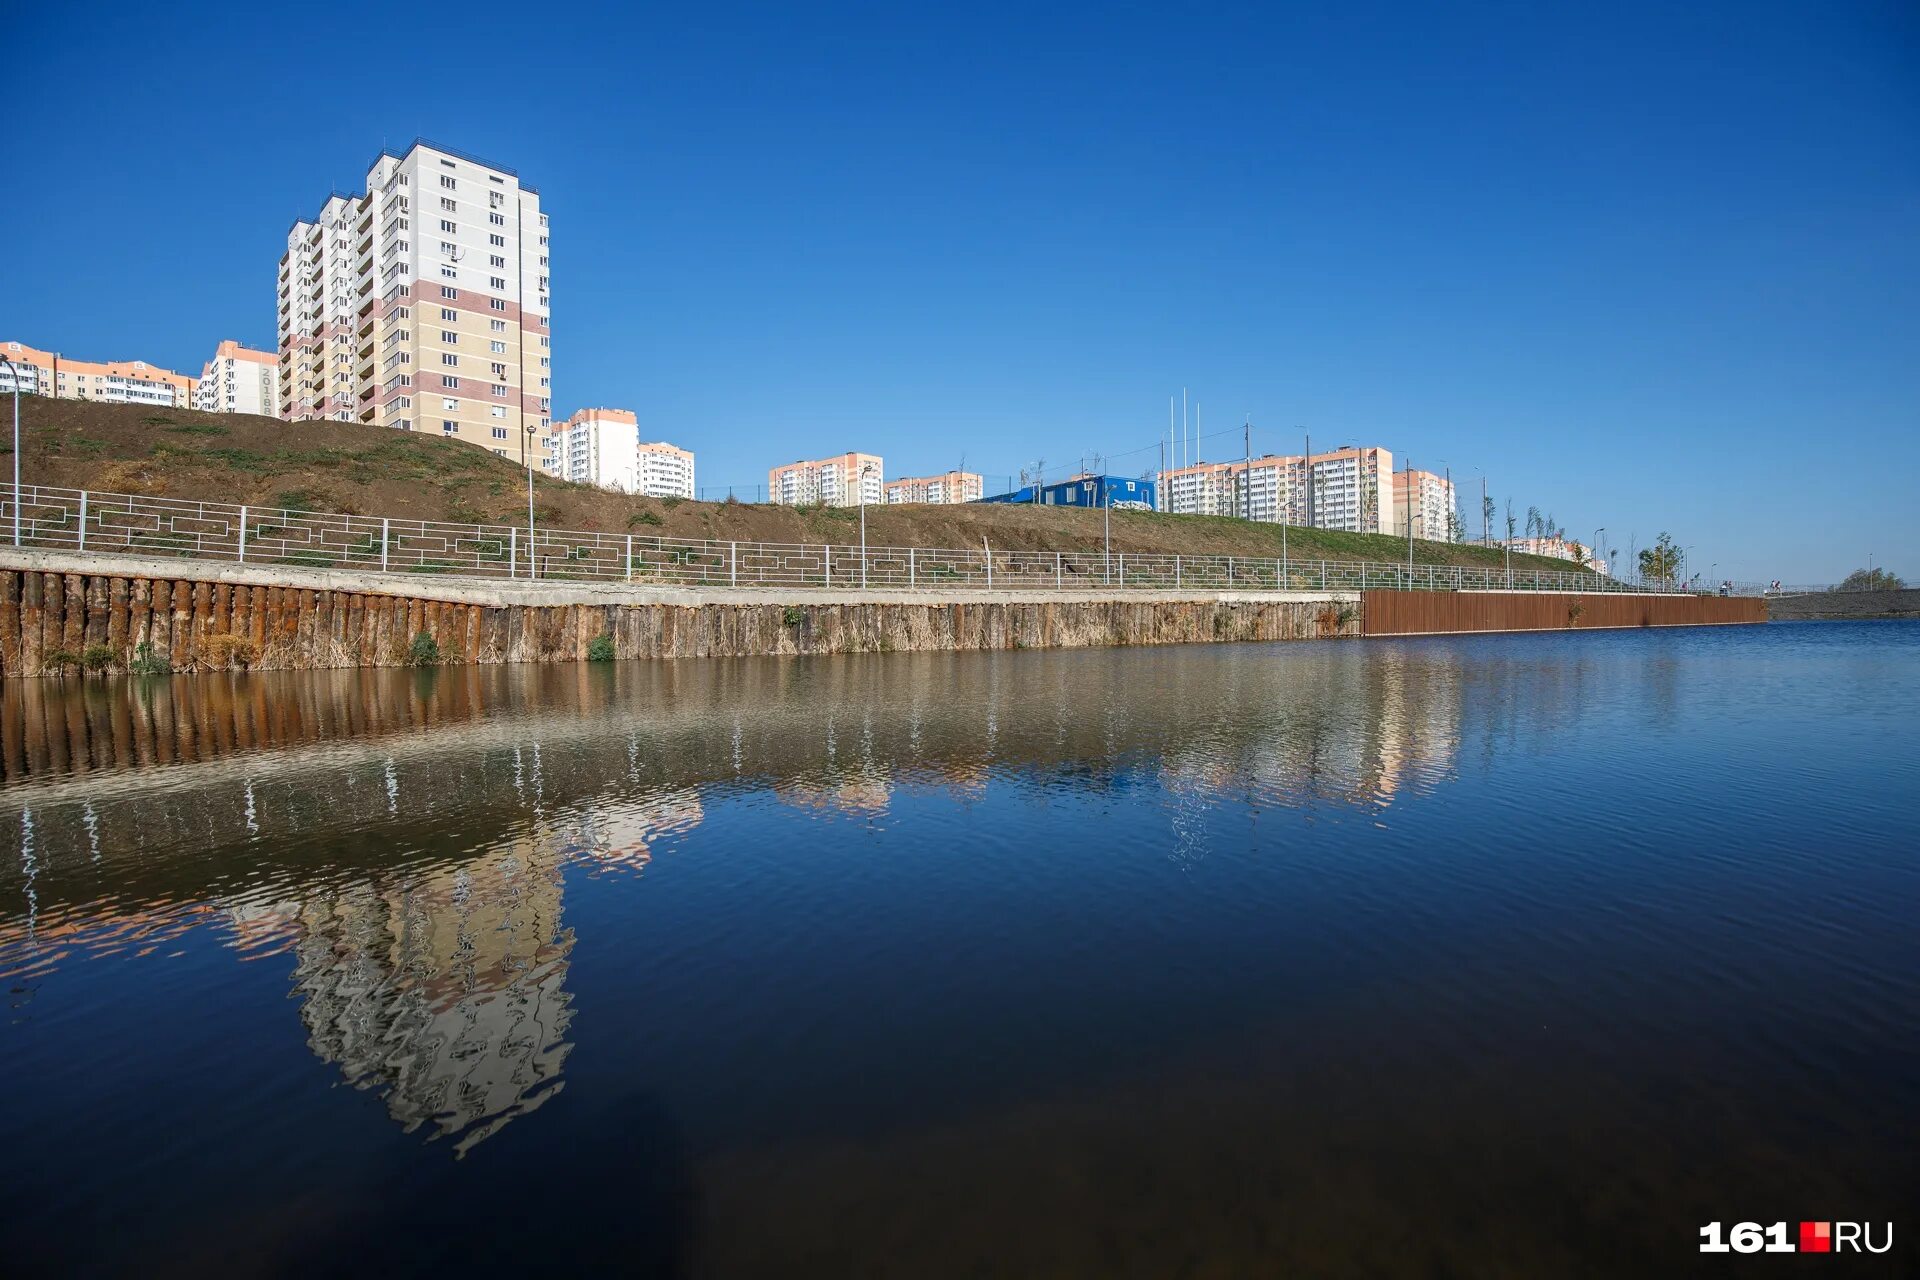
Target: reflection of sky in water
(1255,914)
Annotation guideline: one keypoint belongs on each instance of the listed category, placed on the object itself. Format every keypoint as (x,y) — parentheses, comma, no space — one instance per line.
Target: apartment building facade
(1560,549)
(848,480)
(423,305)
(948,487)
(1428,500)
(664,470)
(595,446)
(1347,488)
(48,373)
(239,380)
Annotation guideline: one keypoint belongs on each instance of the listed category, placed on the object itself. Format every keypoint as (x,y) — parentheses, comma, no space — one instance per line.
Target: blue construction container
(1128,493)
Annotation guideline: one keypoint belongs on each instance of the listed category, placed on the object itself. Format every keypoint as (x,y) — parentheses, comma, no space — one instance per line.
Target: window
(448,293)
(448,183)
(499,433)
(450,359)
(449,227)
(449,273)
(500,241)
(449,403)
(498,304)
(500,391)
(451,384)
(497,220)
(497,347)
(449,336)
(497,260)
(449,427)
(499,370)
(497,282)
(498,411)
(546,362)
(499,326)
(449,314)
(449,204)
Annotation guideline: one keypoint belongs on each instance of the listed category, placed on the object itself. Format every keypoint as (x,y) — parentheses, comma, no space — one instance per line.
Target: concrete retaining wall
(214,617)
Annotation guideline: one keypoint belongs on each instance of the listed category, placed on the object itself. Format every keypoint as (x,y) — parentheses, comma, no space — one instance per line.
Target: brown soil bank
(364,470)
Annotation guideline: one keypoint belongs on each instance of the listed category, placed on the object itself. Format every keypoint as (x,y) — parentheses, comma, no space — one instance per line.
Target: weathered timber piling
(55,621)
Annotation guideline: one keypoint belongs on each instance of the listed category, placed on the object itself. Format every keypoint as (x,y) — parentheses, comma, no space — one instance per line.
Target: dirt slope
(339,466)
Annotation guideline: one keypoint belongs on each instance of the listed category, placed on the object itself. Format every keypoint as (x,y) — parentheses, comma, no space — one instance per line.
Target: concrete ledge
(505,592)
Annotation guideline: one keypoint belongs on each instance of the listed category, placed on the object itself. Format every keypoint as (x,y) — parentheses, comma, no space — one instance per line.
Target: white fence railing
(107,523)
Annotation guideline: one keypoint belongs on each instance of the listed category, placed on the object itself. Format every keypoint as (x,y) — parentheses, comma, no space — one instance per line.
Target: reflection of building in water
(862,794)
(621,833)
(442,991)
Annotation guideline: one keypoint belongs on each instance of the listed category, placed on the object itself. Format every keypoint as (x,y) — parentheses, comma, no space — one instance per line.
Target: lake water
(1494,956)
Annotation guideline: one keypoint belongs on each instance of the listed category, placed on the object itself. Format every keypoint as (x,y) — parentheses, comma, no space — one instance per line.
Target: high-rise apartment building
(952,486)
(664,470)
(423,305)
(1428,499)
(239,380)
(603,447)
(846,481)
(48,373)
(1345,488)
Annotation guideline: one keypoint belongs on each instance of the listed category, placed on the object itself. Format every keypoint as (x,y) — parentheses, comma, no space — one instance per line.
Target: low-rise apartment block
(1346,488)
(422,305)
(1559,549)
(849,480)
(1428,500)
(665,470)
(952,486)
(48,373)
(239,380)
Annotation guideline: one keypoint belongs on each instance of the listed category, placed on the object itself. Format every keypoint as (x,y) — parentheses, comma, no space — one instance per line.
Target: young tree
(1661,560)
(1486,514)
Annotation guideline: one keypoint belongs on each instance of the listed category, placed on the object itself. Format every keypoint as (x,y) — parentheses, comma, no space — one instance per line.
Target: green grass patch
(193,428)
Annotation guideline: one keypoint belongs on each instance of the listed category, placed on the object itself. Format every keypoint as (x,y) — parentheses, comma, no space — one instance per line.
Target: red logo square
(1816,1237)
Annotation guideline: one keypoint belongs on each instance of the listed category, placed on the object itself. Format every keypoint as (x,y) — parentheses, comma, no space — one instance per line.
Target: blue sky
(1646,266)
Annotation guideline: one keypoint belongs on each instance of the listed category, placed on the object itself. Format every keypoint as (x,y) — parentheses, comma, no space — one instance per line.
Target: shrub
(671,501)
(794,615)
(59,660)
(1574,612)
(299,499)
(600,649)
(224,650)
(645,517)
(148,663)
(423,652)
(96,657)
(193,428)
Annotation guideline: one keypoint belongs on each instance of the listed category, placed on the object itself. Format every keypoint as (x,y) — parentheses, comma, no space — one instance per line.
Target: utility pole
(1307,474)
(1186,450)
(1410,497)
(13,372)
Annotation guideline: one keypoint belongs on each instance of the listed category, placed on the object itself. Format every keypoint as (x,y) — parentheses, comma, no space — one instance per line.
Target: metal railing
(117,523)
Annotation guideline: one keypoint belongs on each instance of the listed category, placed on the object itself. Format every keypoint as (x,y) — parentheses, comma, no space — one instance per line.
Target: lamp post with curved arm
(13,373)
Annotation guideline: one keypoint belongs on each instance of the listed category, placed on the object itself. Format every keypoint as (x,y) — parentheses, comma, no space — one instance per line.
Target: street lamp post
(13,372)
(1594,550)
(866,469)
(533,560)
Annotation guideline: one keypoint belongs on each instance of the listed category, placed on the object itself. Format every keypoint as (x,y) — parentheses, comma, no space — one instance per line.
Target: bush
(96,657)
(600,649)
(59,660)
(223,651)
(148,663)
(645,517)
(1574,611)
(794,615)
(423,652)
(671,501)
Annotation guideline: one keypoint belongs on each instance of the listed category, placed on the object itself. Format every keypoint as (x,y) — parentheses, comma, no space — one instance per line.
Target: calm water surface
(1504,956)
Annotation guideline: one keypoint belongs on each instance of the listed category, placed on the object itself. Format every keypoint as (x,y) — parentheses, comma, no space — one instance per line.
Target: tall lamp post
(1594,550)
(13,372)
(866,469)
(533,561)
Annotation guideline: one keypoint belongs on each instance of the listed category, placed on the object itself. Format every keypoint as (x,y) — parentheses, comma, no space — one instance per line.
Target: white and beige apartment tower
(48,373)
(1345,488)
(1428,499)
(239,380)
(423,305)
(844,481)
(603,447)
(664,470)
(949,487)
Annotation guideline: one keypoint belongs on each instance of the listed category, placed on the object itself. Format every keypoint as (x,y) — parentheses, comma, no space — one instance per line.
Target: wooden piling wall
(1408,613)
(50,620)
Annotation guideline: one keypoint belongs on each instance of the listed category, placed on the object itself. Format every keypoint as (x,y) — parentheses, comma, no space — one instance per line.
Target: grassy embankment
(363,470)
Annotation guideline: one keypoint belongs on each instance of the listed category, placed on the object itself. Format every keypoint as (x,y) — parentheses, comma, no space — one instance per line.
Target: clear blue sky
(1651,266)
